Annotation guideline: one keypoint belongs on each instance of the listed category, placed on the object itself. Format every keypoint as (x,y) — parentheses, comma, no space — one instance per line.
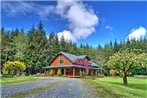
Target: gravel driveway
(70,88)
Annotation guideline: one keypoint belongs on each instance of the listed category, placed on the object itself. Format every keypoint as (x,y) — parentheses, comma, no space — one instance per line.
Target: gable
(55,61)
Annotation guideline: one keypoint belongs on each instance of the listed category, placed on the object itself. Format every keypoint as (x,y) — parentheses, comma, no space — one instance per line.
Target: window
(61,61)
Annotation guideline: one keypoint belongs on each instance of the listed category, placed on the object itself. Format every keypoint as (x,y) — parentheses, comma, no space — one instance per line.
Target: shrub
(38,74)
(51,72)
(59,73)
(138,71)
(89,77)
(63,75)
(7,76)
(13,68)
(82,74)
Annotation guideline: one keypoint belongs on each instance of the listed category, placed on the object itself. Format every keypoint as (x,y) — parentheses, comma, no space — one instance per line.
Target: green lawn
(5,81)
(112,87)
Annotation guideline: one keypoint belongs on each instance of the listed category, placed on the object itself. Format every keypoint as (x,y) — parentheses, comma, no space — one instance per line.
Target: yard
(112,87)
(5,81)
(107,87)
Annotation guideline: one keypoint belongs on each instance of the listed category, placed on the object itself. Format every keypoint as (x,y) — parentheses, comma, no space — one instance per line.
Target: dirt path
(49,88)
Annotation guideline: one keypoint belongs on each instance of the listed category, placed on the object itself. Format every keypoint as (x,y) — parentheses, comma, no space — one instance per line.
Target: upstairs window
(61,62)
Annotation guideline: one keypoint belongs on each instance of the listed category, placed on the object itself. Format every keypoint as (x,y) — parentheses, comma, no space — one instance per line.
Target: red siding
(55,62)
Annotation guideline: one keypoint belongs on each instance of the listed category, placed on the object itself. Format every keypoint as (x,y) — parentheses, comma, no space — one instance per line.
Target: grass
(6,81)
(112,87)
(33,92)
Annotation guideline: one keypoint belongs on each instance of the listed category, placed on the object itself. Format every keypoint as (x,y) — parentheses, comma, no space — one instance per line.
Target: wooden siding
(55,62)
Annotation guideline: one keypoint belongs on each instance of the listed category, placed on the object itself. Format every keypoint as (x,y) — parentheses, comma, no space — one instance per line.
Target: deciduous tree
(14,68)
(124,61)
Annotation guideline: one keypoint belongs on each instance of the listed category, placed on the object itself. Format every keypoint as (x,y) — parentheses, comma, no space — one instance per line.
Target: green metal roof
(67,66)
(64,66)
(72,58)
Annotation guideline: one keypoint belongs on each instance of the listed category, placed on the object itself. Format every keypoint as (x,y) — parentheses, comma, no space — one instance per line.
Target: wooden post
(80,71)
(54,71)
(96,73)
(102,73)
(91,72)
(73,72)
(45,72)
(65,71)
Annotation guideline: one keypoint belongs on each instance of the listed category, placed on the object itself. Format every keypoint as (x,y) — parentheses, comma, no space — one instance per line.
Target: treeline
(36,49)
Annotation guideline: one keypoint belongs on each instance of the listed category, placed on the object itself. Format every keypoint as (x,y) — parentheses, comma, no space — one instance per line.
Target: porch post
(102,73)
(81,72)
(91,72)
(65,71)
(45,72)
(54,71)
(96,73)
(73,72)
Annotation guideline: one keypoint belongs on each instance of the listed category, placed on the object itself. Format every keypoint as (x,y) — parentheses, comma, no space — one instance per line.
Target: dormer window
(61,62)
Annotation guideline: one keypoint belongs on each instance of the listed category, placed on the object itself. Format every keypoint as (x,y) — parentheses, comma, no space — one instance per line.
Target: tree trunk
(125,82)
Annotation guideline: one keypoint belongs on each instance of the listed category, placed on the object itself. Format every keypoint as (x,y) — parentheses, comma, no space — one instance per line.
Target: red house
(72,65)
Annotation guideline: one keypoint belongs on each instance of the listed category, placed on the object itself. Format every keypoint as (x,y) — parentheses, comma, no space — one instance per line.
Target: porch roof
(63,66)
(67,66)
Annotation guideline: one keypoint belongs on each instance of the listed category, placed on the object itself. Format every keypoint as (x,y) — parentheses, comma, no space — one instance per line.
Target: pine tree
(5,46)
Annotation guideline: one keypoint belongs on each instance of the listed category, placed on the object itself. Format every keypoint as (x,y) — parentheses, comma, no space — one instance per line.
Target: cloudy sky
(92,22)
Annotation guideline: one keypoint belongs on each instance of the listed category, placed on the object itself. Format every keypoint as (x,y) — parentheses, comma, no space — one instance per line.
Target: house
(72,65)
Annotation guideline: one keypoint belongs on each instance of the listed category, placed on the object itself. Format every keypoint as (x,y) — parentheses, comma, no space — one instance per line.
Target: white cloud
(82,19)
(67,35)
(19,7)
(137,33)
(108,27)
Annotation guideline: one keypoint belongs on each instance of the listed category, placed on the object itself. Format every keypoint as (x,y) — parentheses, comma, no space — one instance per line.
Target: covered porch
(73,71)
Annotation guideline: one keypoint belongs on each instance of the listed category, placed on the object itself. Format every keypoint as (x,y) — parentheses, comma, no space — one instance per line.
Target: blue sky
(92,22)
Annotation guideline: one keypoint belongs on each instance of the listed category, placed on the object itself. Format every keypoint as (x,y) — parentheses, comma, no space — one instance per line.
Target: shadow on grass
(102,91)
(130,85)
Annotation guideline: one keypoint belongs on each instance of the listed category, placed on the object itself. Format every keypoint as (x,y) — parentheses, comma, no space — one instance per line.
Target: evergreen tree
(5,46)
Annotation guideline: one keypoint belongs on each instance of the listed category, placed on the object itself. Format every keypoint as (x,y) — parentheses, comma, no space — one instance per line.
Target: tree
(14,68)
(20,43)
(5,46)
(51,73)
(30,53)
(63,44)
(84,62)
(59,73)
(37,50)
(116,46)
(124,61)
(143,60)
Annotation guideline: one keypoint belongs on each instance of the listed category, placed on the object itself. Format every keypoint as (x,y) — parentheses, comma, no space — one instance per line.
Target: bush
(38,74)
(82,74)
(89,77)
(63,75)
(51,72)
(59,73)
(13,68)
(7,76)
(139,71)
